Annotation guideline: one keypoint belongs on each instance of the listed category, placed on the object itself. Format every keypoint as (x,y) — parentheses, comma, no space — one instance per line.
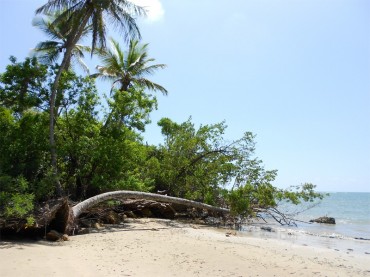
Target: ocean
(351,211)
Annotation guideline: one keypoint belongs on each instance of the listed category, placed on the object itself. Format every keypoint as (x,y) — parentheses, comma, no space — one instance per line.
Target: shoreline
(154,247)
(304,237)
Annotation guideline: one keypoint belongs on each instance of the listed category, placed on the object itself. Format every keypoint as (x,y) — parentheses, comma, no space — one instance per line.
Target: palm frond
(98,31)
(46,26)
(150,70)
(53,6)
(82,64)
(121,16)
(151,85)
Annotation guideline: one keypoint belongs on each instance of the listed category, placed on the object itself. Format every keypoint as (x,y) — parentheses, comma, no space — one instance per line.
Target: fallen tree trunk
(123,194)
(58,214)
(76,210)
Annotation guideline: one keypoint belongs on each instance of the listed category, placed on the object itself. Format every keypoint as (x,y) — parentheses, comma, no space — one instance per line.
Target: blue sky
(294,72)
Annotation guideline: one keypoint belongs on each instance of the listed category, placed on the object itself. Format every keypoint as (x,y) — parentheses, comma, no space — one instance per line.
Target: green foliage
(17,205)
(96,157)
(240,200)
(135,183)
(112,203)
(131,108)
(98,154)
(22,85)
(44,187)
(297,194)
(23,145)
(248,199)
(198,163)
(14,199)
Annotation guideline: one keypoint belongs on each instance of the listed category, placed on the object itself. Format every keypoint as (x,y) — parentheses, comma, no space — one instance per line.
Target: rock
(53,235)
(85,223)
(130,214)
(65,237)
(98,225)
(212,220)
(122,217)
(268,229)
(324,219)
(146,212)
(359,238)
(199,221)
(111,218)
(84,231)
(228,234)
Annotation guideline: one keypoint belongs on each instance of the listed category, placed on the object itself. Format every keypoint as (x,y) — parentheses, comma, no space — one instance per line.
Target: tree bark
(124,194)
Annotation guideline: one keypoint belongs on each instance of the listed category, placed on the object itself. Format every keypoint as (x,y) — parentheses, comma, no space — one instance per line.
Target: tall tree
(128,69)
(79,14)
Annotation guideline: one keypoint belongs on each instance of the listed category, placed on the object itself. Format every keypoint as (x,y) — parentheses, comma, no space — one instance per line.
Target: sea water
(351,211)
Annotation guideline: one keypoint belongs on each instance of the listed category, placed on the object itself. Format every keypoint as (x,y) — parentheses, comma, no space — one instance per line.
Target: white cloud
(153,8)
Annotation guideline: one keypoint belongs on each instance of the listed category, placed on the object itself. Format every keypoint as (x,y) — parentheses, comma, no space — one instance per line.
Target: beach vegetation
(61,136)
(77,15)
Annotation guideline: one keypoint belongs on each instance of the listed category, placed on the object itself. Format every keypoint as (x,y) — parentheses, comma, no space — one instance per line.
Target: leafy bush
(14,199)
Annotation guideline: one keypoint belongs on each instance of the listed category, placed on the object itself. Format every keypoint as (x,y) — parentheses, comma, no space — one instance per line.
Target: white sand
(166,248)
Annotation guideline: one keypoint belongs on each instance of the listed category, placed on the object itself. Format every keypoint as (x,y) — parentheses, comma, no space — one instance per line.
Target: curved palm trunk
(67,216)
(64,66)
(124,194)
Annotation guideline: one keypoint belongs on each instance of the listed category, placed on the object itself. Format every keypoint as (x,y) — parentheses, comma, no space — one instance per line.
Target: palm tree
(129,69)
(78,14)
(126,71)
(49,51)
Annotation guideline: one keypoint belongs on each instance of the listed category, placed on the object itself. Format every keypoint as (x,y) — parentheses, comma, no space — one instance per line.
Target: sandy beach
(150,247)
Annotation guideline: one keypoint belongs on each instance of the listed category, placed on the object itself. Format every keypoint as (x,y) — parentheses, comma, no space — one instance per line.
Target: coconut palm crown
(128,69)
(80,13)
(49,51)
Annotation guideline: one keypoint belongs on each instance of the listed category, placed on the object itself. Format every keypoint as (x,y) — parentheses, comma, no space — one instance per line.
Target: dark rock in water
(361,238)
(268,229)
(324,219)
